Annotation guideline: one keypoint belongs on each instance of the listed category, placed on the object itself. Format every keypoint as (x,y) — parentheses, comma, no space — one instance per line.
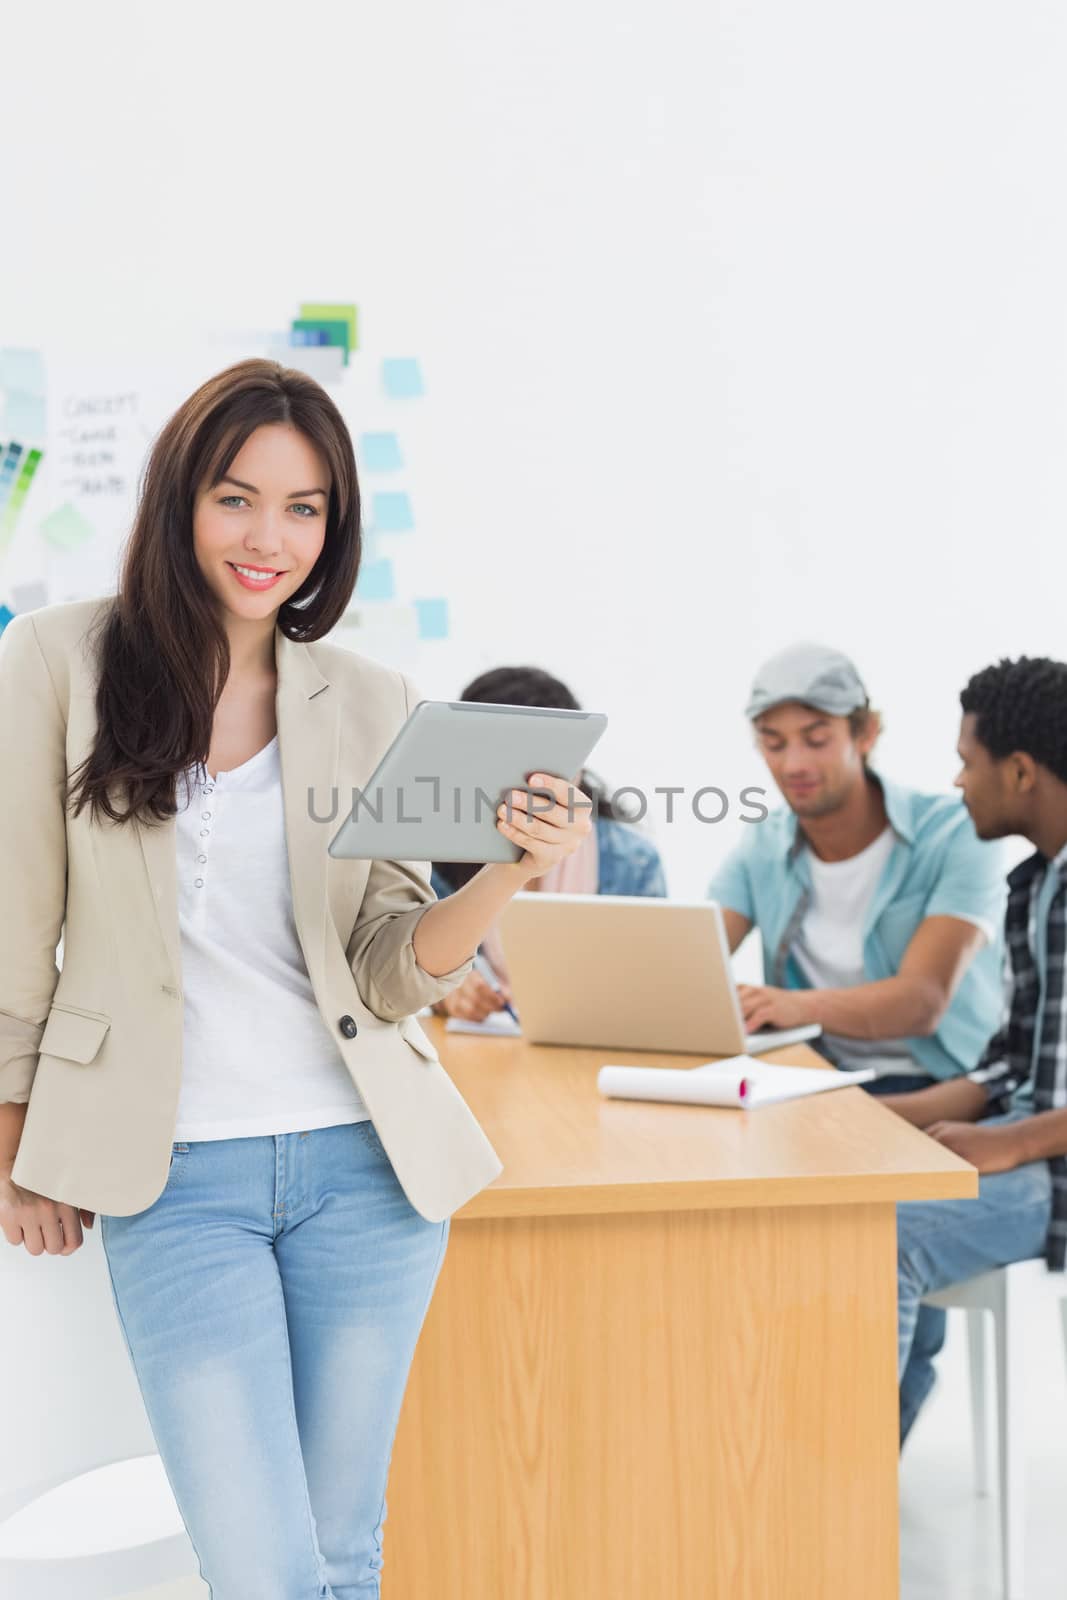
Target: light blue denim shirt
(628,863)
(938,867)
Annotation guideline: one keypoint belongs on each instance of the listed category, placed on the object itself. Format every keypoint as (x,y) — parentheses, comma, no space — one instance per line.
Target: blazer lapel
(308,721)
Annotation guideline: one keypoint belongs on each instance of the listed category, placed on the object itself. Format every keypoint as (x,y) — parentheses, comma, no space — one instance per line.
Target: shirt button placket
(205,833)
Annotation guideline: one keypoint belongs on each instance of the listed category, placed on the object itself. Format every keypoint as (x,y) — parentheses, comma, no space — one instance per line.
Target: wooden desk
(660,1363)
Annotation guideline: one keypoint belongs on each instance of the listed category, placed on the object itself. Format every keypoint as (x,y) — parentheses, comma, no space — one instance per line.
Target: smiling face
(813,757)
(267,516)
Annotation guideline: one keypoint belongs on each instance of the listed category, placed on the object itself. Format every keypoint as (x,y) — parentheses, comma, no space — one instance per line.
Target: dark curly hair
(1022,705)
(528,686)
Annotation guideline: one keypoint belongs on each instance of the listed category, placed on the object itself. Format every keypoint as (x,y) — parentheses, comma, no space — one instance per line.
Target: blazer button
(348,1027)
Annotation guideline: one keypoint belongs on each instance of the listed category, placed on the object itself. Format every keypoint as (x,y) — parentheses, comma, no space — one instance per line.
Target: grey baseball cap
(811,673)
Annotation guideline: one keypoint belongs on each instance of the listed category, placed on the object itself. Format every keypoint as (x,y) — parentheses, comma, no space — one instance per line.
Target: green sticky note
(66,528)
(322,331)
(331,311)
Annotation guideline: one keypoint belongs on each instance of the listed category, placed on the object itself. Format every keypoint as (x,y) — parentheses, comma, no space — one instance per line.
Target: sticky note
(5,617)
(323,362)
(392,513)
(22,415)
(376,581)
(332,311)
(22,369)
(29,596)
(308,333)
(380,452)
(66,528)
(433,618)
(402,378)
(321,332)
(22,404)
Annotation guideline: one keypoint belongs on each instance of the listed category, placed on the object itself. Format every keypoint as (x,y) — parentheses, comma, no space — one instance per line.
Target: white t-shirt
(829,948)
(257,1056)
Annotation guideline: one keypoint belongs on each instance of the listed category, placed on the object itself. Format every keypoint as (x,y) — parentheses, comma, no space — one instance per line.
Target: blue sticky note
(433,618)
(6,614)
(380,452)
(308,336)
(402,378)
(392,513)
(376,581)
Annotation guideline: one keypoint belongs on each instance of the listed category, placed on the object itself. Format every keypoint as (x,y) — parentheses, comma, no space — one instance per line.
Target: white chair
(85,1506)
(1002,1293)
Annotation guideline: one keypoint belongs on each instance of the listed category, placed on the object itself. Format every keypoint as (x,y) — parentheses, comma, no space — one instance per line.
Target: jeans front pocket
(179,1160)
(368,1133)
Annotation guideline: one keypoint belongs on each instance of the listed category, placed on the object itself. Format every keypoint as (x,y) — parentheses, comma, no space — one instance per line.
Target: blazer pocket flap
(415,1037)
(75,1035)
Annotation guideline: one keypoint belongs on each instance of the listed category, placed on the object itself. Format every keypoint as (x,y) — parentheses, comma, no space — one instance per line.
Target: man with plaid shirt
(1008,1116)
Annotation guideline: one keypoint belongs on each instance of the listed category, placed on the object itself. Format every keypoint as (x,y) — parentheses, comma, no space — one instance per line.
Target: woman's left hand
(546,835)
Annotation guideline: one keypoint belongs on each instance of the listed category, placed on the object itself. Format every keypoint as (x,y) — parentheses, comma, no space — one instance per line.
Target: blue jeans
(941,1242)
(271,1300)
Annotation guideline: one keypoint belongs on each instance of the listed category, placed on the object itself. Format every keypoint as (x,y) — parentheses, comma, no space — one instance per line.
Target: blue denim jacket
(938,867)
(629,863)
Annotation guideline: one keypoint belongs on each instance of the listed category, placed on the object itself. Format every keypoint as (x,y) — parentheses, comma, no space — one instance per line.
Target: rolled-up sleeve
(732,886)
(33,838)
(995,1072)
(381,952)
(971,883)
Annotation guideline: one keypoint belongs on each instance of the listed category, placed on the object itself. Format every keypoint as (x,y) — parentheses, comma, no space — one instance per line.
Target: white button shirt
(257,1056)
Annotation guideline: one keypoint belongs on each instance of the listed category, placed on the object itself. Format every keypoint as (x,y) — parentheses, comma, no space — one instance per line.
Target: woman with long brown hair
(228,1067)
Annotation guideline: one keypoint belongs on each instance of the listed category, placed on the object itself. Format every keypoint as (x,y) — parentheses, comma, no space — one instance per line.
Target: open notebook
(737,1081)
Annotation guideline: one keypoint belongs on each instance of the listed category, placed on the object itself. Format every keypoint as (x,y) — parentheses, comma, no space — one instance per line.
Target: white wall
(742,321)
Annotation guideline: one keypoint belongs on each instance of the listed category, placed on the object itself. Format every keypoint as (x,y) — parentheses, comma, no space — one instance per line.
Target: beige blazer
(96,1048)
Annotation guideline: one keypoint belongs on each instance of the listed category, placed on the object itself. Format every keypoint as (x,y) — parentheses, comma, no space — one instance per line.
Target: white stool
(85,1506)
(999,1292)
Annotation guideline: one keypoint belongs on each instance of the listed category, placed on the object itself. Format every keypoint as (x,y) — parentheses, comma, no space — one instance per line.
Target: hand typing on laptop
(765,1007)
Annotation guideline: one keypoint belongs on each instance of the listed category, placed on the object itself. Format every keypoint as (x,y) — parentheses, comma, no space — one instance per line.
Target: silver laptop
(629,972)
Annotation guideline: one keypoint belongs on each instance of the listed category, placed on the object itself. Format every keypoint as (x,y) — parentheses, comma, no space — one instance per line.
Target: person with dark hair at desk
(615,858)
(1008,1117)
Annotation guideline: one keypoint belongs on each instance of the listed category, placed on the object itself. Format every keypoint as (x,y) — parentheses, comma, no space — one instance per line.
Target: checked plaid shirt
(1025,1061)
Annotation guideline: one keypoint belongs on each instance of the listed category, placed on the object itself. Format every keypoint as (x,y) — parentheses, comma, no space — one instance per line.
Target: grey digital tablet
(434,794)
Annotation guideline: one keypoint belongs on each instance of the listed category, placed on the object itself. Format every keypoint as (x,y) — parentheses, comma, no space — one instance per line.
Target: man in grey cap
(878,906)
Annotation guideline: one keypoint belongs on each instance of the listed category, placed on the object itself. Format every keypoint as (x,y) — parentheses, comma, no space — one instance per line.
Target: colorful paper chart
(312,333)
(327,312)
(324,332)
(15,480)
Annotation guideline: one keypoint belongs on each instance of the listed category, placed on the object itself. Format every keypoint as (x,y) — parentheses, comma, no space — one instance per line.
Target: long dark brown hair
(163,654)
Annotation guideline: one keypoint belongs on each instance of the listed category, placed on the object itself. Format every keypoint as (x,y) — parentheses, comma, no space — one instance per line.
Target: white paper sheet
(738,1081)
(498,1023)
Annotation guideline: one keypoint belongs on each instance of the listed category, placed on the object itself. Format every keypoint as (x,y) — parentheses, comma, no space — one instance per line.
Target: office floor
(949,1538)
